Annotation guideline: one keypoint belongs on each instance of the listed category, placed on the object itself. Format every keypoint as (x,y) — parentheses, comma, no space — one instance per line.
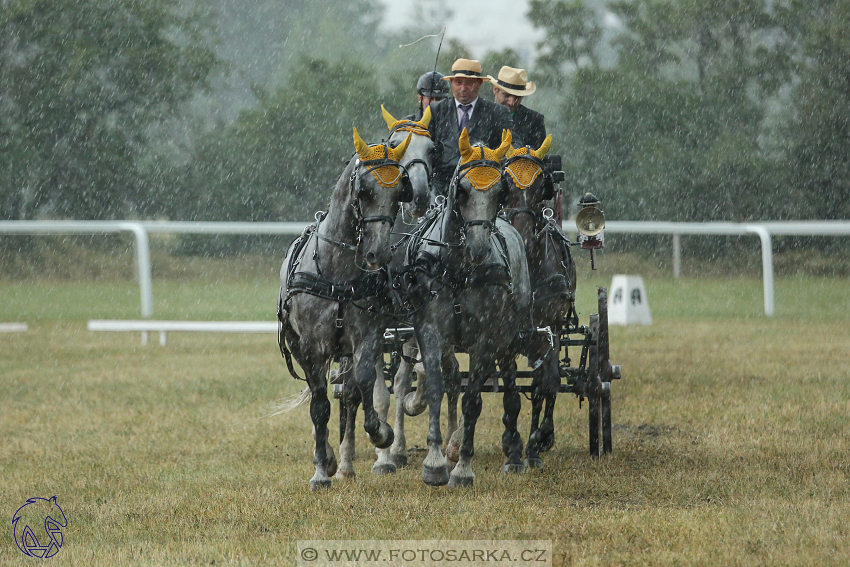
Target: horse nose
(377,259)
(420,201)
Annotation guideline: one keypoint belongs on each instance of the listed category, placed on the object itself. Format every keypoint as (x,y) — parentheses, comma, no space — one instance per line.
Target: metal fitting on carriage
(590,222)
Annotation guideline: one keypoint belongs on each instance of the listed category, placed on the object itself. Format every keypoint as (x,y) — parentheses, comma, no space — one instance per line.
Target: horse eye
(394,143)
(365,193)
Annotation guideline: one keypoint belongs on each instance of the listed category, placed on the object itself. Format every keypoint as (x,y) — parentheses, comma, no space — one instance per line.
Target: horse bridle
(354,189)
(372,165)
(459,172)
(416,128)
(540,217)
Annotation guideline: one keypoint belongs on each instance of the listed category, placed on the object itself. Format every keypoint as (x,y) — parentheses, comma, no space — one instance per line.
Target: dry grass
(731,448)
(730,430)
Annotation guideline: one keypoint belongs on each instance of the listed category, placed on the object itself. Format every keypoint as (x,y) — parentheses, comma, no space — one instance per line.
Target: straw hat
(467,68)
(513,81)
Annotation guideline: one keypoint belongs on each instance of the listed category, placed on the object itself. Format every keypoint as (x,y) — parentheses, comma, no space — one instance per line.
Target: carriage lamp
(590,222)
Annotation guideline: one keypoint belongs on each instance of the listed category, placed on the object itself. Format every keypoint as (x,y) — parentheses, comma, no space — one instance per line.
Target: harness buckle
(457,309)
(339,323)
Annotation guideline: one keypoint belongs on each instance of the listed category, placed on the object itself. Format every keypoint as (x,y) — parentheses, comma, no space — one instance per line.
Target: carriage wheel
(593,390)
(604,365)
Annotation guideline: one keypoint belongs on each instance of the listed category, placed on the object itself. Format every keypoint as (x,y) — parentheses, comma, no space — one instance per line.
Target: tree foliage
(81,84)
(674,129)
(683,110)
(280,160)
(819,134)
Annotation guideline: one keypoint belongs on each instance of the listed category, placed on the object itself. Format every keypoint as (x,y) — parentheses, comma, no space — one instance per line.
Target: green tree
(673,131)
(820,130)
(280,161)
(82,84)
(572,36)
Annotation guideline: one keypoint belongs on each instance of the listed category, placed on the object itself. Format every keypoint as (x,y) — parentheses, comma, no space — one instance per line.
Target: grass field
(730,435)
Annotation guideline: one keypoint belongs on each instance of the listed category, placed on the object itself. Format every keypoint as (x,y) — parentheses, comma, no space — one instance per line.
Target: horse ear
(506,143)
(463,144)
(541,152)
(388,118)
(360,146)
(426,117)
(397,152)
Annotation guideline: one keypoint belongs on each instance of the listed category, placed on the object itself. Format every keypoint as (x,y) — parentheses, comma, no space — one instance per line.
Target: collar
(473,103)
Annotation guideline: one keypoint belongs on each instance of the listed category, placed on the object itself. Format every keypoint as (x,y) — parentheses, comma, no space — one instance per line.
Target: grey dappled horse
(553,283)
(468,278)
(333,296)
(417,164)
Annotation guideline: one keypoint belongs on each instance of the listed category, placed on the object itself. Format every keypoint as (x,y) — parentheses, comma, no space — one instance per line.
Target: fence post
(766,265)
(143,263)
(677,255)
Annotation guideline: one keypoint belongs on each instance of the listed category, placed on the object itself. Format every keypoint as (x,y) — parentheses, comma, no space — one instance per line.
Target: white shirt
(468,112)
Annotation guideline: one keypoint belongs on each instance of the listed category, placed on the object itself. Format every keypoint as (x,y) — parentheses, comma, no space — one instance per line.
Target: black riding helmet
(432,85)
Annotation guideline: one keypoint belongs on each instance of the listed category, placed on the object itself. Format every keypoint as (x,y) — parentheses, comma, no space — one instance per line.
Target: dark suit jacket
(486,125)
(529,127)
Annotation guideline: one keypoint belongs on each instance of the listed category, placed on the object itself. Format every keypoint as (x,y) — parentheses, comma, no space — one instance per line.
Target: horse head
(529,185)
(417,158)
(477,193)
(377,184)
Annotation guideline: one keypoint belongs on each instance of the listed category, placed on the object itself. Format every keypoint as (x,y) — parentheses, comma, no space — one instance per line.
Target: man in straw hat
(484,120)
(509,89)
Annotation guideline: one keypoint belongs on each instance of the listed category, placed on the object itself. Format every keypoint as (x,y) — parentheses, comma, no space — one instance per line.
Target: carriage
(584,365)
(489,254)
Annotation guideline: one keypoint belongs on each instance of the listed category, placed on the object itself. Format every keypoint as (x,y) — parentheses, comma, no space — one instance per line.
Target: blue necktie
(465,118)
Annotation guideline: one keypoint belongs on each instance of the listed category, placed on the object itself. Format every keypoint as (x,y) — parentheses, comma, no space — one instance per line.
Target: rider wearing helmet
(429,88)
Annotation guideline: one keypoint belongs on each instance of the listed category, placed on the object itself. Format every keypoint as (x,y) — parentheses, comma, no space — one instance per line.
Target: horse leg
(415,402)
(381,396)
(380,433)
(453,426)
(532,449)
(401,387)
(547,380)
(351,400)
(462,474)
(512,403)
(434,470)
(320,412)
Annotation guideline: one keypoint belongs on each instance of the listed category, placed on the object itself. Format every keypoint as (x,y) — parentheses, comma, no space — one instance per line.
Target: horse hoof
(460,481)
(400,459)
(534,463)
(435,476)
(516,468)
(383,468)
(332,466)
(547,443)
(321,484)
(345,475)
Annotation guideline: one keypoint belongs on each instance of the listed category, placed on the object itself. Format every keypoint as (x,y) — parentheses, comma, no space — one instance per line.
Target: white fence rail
(141,230)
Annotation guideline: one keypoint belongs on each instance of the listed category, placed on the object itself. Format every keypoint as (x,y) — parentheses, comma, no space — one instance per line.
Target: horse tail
(289,403)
